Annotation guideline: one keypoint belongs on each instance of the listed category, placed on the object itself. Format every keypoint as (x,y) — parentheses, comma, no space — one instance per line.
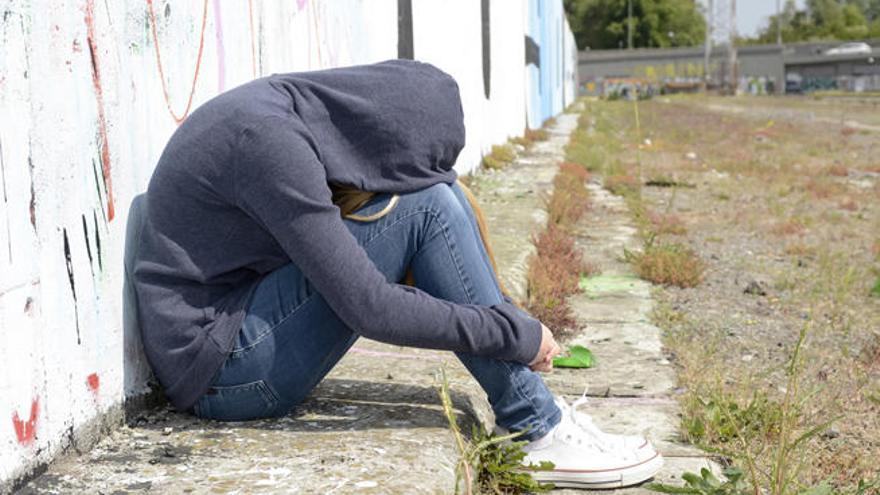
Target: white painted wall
(80,134)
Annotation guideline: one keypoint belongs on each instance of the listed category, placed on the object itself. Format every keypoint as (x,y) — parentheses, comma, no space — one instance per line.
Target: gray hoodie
(241,189)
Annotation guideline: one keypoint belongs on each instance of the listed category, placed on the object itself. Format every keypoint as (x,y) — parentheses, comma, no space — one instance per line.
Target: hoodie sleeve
(281,184)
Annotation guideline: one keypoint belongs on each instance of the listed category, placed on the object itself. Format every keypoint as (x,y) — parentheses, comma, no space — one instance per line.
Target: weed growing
(500,156)
(487,463)
(707,483)
(570,199)
(557,265)
(666,224)
(553,275)
(530,137)
(622,185)
(667,263)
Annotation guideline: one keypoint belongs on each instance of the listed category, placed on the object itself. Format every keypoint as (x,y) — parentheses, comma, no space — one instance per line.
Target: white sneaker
(636,443)
(585,457)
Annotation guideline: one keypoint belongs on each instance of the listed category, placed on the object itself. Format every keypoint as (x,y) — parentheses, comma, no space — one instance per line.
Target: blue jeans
(290,338)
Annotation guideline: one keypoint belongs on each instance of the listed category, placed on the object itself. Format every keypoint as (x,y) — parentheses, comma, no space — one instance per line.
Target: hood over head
(380,127)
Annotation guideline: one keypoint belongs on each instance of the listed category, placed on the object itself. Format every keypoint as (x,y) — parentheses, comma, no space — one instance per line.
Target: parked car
(850,49)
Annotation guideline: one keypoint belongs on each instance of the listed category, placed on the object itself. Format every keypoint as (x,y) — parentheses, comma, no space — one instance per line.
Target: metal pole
(708,49)
(779,22)
(629,24)
(732,48)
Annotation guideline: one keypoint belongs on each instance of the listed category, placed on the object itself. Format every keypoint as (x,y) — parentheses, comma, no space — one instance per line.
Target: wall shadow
(340,405)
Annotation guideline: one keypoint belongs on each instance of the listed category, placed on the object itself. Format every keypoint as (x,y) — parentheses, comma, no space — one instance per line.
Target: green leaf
(664,488)
(578,357)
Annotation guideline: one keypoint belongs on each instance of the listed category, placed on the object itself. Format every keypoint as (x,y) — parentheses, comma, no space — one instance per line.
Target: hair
(350,199)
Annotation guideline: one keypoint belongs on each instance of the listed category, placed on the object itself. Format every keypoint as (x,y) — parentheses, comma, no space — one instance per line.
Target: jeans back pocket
(253,400)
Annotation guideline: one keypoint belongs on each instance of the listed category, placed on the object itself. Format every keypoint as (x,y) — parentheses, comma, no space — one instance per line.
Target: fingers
(546,364)
(543,366)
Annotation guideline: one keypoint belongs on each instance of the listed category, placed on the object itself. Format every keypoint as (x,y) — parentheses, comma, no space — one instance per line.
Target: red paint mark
(99,97)
(26,431)
(94,382)
(192,90)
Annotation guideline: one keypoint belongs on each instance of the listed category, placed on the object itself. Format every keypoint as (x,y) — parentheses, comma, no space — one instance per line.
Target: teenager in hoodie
(252,283)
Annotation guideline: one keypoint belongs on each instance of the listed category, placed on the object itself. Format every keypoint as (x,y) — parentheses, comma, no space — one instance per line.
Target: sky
(751,15)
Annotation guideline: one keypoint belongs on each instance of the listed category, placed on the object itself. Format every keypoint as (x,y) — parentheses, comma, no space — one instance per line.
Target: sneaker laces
(585,424)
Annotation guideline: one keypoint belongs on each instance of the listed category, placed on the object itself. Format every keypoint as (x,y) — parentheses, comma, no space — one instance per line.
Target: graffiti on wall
(89,94)
(58,162)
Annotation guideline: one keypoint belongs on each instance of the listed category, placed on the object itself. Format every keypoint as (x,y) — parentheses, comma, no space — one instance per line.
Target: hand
(548,350)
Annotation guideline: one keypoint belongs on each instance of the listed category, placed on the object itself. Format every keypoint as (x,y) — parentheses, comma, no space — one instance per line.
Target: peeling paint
(99,98)
(26,430)
(98,183)
(93,381)
(33,202)
(88,245)
(72,283)
(98,241)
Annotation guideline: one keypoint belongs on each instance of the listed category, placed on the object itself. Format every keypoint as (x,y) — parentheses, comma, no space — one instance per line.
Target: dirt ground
(780,199)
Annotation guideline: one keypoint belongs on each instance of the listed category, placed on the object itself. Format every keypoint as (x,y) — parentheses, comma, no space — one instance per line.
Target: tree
(825,20)
(601,24)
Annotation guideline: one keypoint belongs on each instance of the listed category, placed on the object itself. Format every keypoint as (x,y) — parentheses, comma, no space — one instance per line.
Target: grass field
(761,224)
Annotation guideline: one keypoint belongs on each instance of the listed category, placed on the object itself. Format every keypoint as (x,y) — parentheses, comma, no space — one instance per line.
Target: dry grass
(848,204)
(621,184)
(557,265)
(671,264)
(553,275)
(822,188)
(838,170)
(801,208)
(789,227)
(535,135)
(570,198)
(530,137)
(800,250)
(666,224)
(500,156)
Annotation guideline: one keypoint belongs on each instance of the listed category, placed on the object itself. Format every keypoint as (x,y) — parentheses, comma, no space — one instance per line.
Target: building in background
(762,69)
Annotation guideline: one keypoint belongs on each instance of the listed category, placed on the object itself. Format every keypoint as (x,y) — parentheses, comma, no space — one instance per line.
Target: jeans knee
(443,201)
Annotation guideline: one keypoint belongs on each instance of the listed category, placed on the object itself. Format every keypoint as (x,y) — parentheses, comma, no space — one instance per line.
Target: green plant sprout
(489,463)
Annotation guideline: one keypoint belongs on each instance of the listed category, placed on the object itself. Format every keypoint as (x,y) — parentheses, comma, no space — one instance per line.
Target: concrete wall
(89,93)
(853,72)
(683,65)
(551,70)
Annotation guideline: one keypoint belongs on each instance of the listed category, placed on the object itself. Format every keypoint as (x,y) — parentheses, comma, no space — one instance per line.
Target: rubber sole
(618,478)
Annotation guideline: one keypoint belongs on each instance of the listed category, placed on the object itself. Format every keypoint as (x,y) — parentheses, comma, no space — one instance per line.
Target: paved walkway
(375,424)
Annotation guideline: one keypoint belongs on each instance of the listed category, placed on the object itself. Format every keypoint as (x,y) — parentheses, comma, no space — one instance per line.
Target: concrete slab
(611,310)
